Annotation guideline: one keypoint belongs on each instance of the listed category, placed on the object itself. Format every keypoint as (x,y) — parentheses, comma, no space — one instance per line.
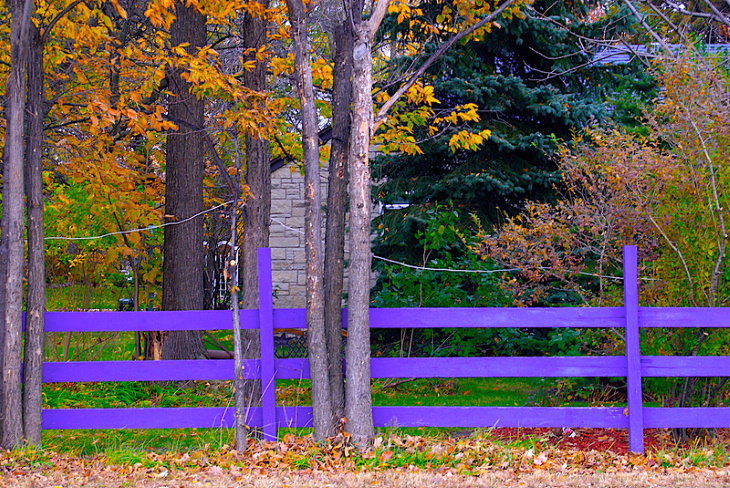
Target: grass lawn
(74,296)
(396,448)
(434,392)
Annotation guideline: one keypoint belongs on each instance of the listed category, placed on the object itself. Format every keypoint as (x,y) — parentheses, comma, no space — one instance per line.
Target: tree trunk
(182,284)
(324,420)
(239,383)
(358,409)
(3,271)
(258,207)
(12,281)
(36,302)
(334,252)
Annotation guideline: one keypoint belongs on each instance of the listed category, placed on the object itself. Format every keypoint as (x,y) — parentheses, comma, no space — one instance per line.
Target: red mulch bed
(615,440)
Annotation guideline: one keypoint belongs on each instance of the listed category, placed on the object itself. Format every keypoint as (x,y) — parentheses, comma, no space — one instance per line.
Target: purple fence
(633,366)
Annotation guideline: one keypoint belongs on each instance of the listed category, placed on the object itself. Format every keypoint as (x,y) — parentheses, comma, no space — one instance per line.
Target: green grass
(134,442)
(81,297)
(437,392)
(459,392)
(138,394)
(120,346)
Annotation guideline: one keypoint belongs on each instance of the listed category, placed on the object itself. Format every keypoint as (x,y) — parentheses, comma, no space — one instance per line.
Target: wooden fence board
(632,366)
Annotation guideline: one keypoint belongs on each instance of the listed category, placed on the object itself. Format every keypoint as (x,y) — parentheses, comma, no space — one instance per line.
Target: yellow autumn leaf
(120,10)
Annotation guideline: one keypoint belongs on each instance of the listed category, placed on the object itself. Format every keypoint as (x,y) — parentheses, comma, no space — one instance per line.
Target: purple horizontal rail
(497,317)
(379,318)
(502,367)
(62,372)
(680,417)
(486,417)
(476,417)
(511,367)
(179,370)
(606,317)
(661,317)
(167,418)
(144,418)
(388,318)
(147,321)
(214,417)
(684,366)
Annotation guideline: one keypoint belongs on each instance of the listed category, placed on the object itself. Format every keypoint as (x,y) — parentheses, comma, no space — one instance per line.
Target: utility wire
(131,231)
(298,231)
(450,270)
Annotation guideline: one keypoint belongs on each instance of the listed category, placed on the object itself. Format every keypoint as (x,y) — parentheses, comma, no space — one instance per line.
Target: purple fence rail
(633,366)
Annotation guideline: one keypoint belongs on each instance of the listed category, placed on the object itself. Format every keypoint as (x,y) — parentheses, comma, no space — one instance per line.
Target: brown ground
(401,478)
(550,458)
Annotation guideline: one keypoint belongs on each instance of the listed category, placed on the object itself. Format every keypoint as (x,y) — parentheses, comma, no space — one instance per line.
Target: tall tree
(241,388)
(532,85)
(358,403)
(358,400)
(324,419)
(182,282)
(258,179)
(12,233)
(36,300)
(334,252)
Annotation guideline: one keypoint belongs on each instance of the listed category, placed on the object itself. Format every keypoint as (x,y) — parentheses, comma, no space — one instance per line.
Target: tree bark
(334,252)
(36,301)
(324,420)
(3,271)
(182,284)
(358,400)
(258,207)
(12,281)
(239,383)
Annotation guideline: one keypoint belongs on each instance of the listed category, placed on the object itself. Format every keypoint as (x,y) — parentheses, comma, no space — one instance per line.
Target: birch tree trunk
(12,233)
(358,400)
(324,420)
(36,301)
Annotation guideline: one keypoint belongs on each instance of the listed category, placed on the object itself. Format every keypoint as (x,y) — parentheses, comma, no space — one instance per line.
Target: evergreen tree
(535,85)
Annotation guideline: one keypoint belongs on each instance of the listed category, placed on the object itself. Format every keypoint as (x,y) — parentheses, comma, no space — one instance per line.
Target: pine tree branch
(382,113)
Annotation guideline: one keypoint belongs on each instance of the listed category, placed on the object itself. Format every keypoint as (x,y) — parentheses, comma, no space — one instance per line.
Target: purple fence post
(633,351)
(266,333)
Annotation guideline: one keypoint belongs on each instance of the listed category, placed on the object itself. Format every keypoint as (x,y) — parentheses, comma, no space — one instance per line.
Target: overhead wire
(298,231)
(141,229)
(452,270)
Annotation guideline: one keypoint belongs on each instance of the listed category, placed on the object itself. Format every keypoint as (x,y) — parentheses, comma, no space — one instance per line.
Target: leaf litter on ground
(480,459)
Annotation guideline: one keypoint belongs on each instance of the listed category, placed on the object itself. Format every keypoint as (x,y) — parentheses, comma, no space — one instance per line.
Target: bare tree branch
(680,255)
(717,271)
(646,26)
(381,8)
(380,117)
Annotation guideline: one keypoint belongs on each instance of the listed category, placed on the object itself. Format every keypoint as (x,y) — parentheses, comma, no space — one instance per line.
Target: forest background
(504,141)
